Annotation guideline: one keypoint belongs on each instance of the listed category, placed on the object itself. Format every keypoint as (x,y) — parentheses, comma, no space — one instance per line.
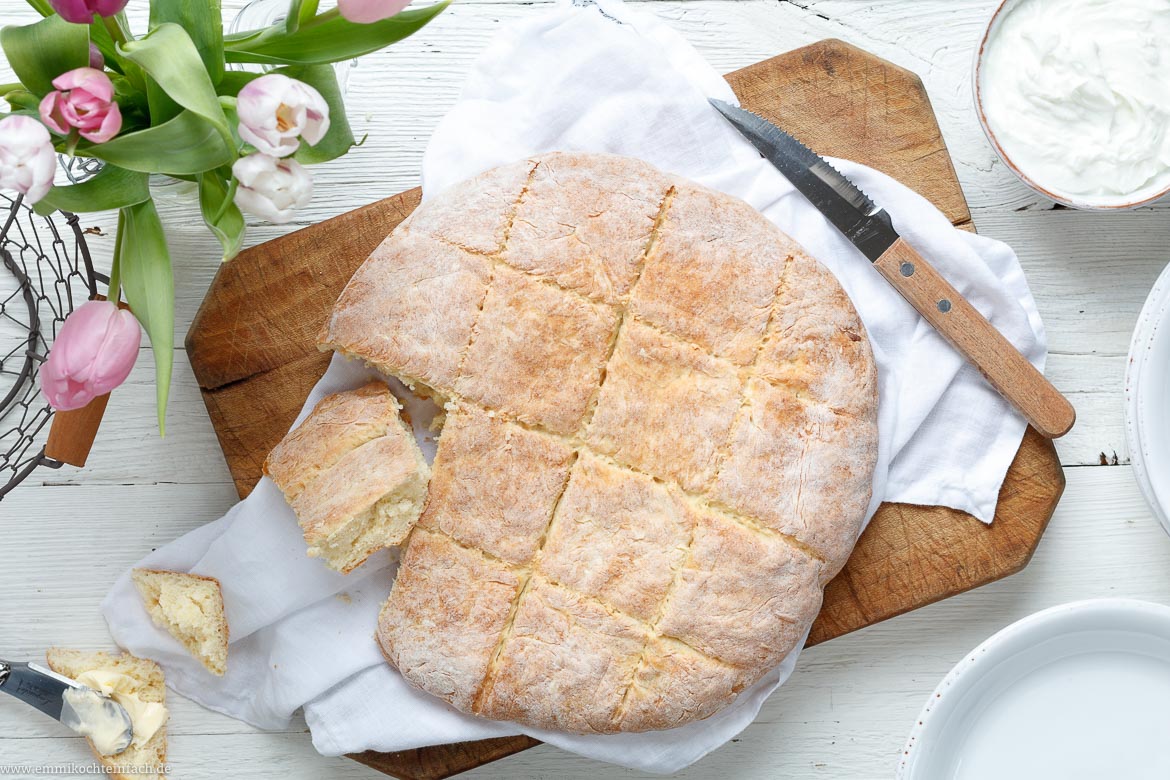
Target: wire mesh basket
(47,272)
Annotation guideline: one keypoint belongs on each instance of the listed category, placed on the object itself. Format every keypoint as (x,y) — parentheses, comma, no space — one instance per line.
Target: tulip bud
(82,11)
(96,60)
(84,100)
(27,159)
(270,188)
(276,111)
(370,11)
(92,354)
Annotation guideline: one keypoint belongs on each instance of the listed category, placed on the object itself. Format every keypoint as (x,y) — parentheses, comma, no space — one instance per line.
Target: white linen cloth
(591,78)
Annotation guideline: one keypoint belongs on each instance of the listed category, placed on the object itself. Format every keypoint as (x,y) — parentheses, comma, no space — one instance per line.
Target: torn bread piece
(190,608)
(353,474)
(138,685)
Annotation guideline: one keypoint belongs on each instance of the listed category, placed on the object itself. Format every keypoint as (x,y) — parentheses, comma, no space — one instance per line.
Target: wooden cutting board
(252,347)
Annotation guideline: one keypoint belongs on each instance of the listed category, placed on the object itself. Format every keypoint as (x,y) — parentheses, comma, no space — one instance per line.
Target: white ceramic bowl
(1005,7)
(1147,400)
(1077,691)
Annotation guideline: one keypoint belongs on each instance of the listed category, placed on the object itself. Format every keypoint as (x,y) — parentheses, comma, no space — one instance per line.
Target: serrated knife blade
(850,210)
(869,228)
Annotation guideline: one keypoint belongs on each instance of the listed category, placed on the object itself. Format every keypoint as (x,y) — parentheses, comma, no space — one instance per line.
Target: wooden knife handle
(968,331)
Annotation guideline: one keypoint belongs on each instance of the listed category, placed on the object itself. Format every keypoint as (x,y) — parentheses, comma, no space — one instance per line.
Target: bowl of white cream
(1074,96)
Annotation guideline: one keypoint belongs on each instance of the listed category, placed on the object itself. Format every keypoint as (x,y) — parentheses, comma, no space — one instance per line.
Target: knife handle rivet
(944,305)
(907,269)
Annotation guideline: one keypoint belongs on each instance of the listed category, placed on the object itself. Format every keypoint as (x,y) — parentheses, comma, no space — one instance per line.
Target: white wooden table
(850,704)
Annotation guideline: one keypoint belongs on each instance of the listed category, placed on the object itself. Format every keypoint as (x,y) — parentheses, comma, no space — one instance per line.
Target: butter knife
(868,228)
(44,690)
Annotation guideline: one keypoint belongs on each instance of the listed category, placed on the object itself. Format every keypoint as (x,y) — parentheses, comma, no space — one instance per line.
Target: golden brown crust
(495,484)
(410,308)
(661,440)
(817,346)
(538,352)
(585,221)
(618,536)
(713,273)
(741,596)
(800,469)
(675,685)
(474,214)
(666,406)
(565,664)
(445,615)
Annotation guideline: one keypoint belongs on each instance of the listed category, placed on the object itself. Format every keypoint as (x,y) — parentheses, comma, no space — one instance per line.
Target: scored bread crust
(660,445)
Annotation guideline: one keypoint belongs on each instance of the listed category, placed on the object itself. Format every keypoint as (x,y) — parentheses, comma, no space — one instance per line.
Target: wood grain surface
(252,350)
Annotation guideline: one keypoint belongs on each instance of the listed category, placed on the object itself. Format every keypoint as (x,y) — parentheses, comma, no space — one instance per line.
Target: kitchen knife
(868,228)
(44,689)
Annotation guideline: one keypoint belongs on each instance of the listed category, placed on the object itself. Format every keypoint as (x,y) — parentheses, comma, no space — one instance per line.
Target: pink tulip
(82,11)
(276,112)
(84,100)
(27,158)
(370,11)
(96,60)
(92,354)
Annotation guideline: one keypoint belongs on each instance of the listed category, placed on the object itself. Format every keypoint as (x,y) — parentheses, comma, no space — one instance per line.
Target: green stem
(114,28)
(13,87)
(41,7)
(308,10)
(119,31)
(332,13)
(115,287)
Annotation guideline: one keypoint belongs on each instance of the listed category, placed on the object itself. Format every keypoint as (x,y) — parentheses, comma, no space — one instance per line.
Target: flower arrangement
(167,103)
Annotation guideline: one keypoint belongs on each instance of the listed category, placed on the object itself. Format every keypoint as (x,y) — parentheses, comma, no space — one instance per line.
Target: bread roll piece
(190,607)
(135,677)
(353,474)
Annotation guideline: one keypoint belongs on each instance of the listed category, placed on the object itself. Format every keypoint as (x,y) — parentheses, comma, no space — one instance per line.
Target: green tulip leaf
(111,188)
(187,144)
(235,80)
(331,39)
(339,139)
(220,213)
(169,57)
(42,51)
(203,22)
(144,269)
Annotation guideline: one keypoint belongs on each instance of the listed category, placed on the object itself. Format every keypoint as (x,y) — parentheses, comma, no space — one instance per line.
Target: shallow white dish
(1077,691)
(1147,400)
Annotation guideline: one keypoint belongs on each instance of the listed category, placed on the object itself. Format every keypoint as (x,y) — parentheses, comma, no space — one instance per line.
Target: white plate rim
(1140,435)
(986,657)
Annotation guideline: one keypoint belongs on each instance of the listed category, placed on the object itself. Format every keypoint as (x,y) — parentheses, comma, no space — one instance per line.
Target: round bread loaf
(659,444)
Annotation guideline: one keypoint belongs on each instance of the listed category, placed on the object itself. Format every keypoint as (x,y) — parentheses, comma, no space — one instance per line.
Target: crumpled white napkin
(594,77)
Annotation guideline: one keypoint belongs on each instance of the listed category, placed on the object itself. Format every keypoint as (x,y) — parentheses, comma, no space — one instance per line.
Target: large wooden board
(252,350)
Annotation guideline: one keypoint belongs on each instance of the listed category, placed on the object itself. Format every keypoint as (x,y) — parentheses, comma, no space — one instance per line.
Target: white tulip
(27,158)
(272,189)
(276,112)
